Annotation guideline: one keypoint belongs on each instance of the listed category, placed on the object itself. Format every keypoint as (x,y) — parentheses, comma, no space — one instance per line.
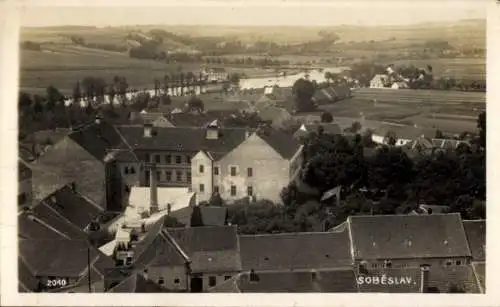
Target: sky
(248,13)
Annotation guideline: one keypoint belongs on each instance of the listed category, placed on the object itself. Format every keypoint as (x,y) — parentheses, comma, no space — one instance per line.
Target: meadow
(452,112)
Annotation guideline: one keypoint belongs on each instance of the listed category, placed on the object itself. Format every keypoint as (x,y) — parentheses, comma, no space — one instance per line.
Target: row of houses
(437,253)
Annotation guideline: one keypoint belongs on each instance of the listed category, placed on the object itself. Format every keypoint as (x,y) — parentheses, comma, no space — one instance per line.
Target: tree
(234,78)
(326,117)
(303,91)
(439,134)
(481,124)
(77,92)
(195,104)
(389,166)
(111,94)
(25,101)
(355,127)
(53,97)
(196,217)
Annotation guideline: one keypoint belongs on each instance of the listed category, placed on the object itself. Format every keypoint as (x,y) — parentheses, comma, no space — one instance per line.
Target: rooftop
(212,216)
(408,236)
(476,236)
(295,251)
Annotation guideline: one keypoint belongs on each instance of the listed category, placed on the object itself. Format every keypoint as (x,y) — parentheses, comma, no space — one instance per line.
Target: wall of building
(220,277)
(167,170)
(416,263)
(270,172)
(204,178)
(174,277)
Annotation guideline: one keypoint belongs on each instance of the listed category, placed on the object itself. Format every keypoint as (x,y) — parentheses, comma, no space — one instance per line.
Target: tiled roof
(136,283)
(32,228)
(440,280)
(408,236)
(66,258)
(210,248)
(285,144)
(212,216)
(98,138)
(27,280)
(186,139)
(68,162)
(476,236)
(297,251)
(199,120)
(73,207)
(294,282)
(272,113)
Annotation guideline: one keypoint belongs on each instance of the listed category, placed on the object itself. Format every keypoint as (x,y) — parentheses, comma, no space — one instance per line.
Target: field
(460,68)
(452,112)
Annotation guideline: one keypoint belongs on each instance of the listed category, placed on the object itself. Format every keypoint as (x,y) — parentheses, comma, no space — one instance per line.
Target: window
(216,189)
(233,170)
(458,262)
(168,175)
(148,158)
(132,170)
(177,281)
(178,159)
(188,176)
(161,281)
(157,159)
(168,159)
(216,170)
(212,281)
(158,175)
(374,265)
(227,277)
(448,263)
(233,190)
(126,170)
(178,176)
(147,177)
(188,159)
(388,264)
(250,172)
(202,187)
(202,169)
(250,191)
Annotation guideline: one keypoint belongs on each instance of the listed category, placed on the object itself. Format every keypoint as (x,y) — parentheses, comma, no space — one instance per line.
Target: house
(215,74)
(297,252)
(44,266)
(276,116)
(258,167)
(327,128)
(88,153)
(154,119)
(406,241)
(379,81)
(399,85)
(331,94)
(191,259)
(25,188)
(211,215)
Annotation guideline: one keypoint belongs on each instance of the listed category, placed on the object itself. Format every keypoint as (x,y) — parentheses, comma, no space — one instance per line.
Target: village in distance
(174,159)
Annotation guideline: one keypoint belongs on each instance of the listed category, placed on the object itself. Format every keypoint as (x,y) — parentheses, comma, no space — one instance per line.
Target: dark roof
(65,258)
(73,207)
(476,236)
(27,280)
(50,217)
(98,138)
(286,145)
(185,139)
(328,128)
(293,282)
(408,236)
(210,248)
(146,118)
(68,162)
(212,216)
(295,251)
(200,120)
(30,227)
(331,93)
(440,279)
(136,283)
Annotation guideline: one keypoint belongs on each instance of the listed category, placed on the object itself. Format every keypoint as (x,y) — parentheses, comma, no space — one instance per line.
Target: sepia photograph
(252,149)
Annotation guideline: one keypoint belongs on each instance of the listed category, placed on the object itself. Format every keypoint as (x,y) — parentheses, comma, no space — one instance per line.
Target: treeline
(78,40)
(29,45)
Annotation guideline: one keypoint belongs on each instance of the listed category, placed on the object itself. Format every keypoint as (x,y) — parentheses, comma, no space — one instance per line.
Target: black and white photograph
(252,149)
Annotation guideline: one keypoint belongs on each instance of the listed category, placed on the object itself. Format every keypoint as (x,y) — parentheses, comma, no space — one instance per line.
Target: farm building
(331,94)
(379,81)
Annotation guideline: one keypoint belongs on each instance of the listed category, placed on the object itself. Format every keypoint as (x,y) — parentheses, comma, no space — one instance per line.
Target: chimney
(424,278)
(73,186)
(153,190)
(148,130)
(212,133)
